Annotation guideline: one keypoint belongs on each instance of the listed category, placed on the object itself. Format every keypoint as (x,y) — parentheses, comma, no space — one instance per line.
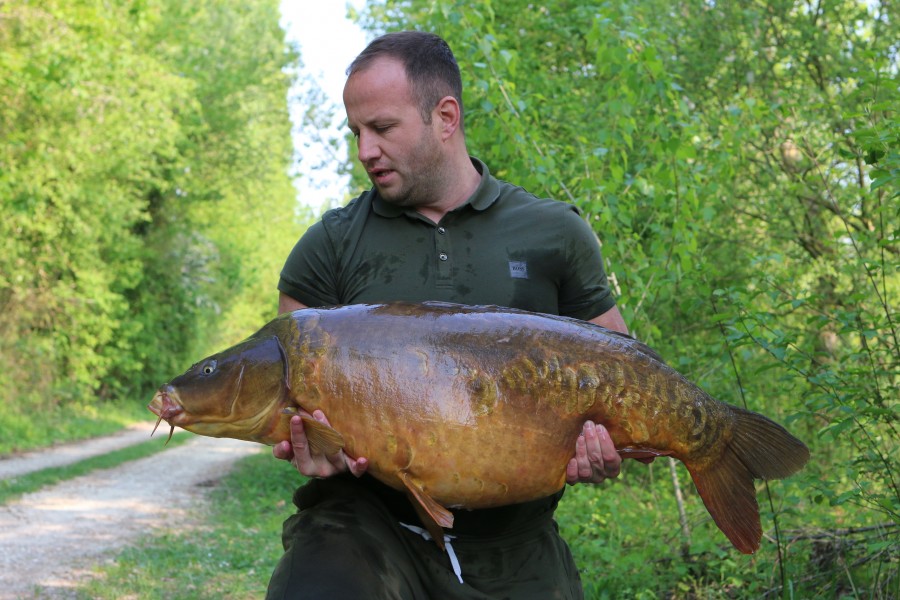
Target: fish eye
(209,367)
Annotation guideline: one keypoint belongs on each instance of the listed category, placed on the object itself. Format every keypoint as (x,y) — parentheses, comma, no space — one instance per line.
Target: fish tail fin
(767,448)
(726,487)
(759,449)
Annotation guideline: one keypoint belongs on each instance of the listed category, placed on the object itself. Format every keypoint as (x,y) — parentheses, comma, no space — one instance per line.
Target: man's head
(401,98)
(430,67)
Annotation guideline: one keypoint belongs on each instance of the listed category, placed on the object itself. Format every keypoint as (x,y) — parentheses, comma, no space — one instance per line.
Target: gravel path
(66,454)
(51,539)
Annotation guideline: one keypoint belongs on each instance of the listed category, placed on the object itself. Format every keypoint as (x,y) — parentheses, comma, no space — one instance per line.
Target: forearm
(288,304)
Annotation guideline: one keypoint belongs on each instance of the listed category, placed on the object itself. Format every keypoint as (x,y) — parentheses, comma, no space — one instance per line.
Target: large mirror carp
(478,406)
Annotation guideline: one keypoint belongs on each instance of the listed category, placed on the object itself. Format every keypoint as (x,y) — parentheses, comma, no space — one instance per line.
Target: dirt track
(51,539)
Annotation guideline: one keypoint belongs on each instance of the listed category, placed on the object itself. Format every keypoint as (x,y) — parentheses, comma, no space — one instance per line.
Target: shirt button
(442,256)
(441,230)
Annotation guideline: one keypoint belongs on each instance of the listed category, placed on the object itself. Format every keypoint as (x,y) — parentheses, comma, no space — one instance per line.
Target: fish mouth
(166,409)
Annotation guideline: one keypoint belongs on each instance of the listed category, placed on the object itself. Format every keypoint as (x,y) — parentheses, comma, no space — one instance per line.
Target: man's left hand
(596,458)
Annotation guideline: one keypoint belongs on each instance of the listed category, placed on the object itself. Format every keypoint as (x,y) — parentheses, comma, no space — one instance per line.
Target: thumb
(283,450)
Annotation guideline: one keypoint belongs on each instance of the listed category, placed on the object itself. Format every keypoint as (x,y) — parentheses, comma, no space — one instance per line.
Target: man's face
(401,153)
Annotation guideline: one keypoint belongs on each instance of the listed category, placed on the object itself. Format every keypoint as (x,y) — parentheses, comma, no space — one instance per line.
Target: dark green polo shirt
(504,246)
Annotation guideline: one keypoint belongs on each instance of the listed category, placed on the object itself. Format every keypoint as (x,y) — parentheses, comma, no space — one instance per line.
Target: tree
(144,189)
(739,163)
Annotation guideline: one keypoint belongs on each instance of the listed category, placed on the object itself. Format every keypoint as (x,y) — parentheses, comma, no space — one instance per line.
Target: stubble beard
(422,178)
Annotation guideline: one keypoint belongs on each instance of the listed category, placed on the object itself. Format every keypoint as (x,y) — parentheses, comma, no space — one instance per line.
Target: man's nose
(367,147)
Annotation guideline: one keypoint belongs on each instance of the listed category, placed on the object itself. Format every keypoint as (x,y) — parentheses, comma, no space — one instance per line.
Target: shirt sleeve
(584,292)
(309,273)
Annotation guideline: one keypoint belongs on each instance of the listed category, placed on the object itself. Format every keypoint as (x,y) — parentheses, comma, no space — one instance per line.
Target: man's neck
(459,190)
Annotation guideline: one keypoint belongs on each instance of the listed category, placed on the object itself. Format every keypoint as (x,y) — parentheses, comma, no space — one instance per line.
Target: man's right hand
(313,464)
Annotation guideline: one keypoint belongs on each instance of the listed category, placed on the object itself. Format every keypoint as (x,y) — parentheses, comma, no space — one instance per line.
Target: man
(435,226)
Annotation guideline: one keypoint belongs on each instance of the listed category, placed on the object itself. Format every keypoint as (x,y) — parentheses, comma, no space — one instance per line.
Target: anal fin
(433,516)
(322,438)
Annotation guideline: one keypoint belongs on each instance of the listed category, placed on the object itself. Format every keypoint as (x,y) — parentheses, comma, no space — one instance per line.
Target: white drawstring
(454,562)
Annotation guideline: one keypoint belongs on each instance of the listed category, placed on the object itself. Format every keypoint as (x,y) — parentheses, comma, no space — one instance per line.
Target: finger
(329,464)
(572,472)
(298,435)
(319,416)
(302,458)
(582,460)
(593,453)
(338,460)
(612,461)
(283,450)
(358,466)
(592,445)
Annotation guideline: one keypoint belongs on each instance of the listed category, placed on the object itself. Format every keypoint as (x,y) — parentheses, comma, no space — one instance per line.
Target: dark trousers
(344,543)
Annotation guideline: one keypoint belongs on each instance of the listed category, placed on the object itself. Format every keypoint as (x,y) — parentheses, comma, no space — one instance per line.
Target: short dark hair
(428,61)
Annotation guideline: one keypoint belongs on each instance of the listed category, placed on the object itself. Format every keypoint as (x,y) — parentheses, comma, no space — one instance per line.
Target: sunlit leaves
(143,181)
(740,163)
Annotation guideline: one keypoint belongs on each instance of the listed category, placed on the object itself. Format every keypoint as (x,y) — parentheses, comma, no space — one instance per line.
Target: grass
(16,486)
(38,426)
(231,552)
(624,536)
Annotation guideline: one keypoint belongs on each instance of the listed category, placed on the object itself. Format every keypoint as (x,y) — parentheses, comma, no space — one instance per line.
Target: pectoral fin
(322,438)
(433,515)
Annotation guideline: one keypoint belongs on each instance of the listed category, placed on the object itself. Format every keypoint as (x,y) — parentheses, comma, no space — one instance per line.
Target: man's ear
(449,116)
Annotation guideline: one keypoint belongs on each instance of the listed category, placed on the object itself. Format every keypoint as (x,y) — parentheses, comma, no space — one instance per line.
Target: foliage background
(145,194)
(739,161)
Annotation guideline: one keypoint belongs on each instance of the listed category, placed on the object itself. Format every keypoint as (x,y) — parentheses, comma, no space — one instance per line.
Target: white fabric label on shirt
(518,269)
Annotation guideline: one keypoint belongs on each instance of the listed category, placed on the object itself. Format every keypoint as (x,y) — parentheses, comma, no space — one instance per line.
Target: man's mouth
(380,176)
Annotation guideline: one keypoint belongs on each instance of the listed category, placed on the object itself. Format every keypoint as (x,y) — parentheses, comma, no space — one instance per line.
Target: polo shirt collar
(483,197)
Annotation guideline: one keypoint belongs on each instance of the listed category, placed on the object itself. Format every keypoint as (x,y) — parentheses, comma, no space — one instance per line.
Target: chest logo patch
(518,269)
